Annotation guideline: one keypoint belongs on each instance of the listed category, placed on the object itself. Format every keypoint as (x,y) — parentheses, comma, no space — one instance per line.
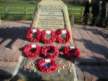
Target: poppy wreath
(49,52)
(48,36)
(31,51)
(63,36)
(46,66)
(71,52)
(33,35)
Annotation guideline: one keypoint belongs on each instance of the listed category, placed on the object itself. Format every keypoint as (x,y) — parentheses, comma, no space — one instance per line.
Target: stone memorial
(53,14)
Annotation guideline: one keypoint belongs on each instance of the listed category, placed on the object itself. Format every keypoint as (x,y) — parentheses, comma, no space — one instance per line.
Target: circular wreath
(46,67)
(71,52)
(48,36)
(49,52)
(31,51)
(33,35)
(63,36)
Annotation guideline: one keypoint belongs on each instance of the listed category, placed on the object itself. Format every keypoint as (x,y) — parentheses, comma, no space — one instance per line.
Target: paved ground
(93,62)
(93,42)
(11,40)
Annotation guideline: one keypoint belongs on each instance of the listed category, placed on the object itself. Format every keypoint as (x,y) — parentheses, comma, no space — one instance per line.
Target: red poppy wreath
(33,35)
(48,36)
(46,65)
(31,51)
(63,36)
(49,52)
(70,52)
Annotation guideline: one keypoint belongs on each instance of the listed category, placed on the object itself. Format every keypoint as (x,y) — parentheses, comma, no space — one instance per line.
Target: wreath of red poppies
(49,52)
(49,37)
(33,35)
(61,39)
(69,52)
(46,67)
(31,52)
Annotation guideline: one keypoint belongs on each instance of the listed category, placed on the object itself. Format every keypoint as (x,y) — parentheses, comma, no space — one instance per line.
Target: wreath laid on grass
(33,35)
(49,52)
(63,36)
(71,52)
(48,36)
(31,51)
(46,65)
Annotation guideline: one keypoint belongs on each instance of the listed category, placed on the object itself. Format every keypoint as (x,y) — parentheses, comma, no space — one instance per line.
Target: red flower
(48,36)
(49,52)
(63,36)
(46,67)
(69,52)
(31,51)
(33,35)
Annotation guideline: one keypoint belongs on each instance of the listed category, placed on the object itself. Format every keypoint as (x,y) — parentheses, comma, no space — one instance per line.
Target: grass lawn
(23,9)
(17,9)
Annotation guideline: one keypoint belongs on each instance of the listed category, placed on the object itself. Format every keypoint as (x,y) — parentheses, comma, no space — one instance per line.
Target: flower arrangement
(70,52)
(63,36)
(31,51)
(49,52)
(33,35)
(48,36)
(46,65)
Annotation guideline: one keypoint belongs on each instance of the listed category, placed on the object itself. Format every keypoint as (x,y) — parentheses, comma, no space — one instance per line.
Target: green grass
(23,9)
(76,11)
(16,9)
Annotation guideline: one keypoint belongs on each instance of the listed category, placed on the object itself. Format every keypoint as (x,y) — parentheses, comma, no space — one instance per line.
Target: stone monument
(53,14)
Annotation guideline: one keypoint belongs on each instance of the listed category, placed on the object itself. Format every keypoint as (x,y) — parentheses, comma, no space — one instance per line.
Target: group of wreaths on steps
(46,46)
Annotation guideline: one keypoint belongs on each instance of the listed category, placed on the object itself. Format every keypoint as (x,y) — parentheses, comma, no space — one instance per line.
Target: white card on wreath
(47,60)
(33,45)
(64,31)
(48,32)
(34,30)
(72,47)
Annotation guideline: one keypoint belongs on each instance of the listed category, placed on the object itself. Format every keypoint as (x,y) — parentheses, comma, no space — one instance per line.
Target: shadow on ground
(13,34)
(4,75)
(22,76)
(93,47)
(98,31)
(94,70)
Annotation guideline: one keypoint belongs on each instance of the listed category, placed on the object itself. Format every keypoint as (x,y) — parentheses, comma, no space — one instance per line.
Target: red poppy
(49,52)
(71,52)
(62,36)
(31,51)
(46,66)
(48,36)
(33,35)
